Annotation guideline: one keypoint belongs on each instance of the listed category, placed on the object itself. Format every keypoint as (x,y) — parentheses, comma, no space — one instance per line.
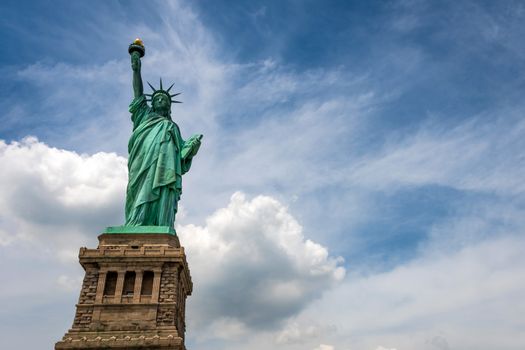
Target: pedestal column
(120,286)
(156,285)
(138,286)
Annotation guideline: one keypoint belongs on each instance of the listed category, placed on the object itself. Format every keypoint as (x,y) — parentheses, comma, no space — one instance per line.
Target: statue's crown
(160,90)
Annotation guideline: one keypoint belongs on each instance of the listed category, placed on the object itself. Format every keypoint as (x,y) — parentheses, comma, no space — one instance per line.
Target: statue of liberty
(158,156)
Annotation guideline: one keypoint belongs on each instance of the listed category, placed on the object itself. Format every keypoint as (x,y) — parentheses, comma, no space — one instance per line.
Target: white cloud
(228,329)
(433,301)
(252,264)
(294,333)
(324,347)
(58,196)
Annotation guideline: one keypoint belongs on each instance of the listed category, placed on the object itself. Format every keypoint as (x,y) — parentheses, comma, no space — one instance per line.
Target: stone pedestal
(133,295)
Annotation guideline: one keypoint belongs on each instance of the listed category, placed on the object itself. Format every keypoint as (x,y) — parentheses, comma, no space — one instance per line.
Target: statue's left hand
(195,144)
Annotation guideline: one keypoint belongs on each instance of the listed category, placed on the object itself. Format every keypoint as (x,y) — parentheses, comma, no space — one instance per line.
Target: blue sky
(372,151)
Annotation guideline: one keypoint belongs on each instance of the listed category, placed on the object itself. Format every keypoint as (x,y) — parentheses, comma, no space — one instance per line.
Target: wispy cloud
(475,155)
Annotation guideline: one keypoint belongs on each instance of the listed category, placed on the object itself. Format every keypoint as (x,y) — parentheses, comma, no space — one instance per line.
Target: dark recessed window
(147,282)
(111,283)
(129,283)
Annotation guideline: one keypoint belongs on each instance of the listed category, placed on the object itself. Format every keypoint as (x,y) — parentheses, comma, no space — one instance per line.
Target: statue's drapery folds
(155,166)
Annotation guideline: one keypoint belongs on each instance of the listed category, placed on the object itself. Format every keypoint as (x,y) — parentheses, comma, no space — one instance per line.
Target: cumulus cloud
(49,194)
(252,264)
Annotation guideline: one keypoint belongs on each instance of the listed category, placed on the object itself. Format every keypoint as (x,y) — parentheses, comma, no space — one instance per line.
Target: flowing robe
(155,167)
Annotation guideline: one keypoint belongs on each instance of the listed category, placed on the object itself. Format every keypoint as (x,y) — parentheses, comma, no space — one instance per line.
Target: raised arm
(138,88)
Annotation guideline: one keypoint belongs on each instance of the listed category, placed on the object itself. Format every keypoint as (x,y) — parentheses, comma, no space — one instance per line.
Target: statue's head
(161,104)
(161,100)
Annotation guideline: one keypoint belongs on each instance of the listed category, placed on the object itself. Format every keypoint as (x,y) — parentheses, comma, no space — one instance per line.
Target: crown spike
(170,87)
(173,101)
(175,94)
(160,83)
(151,86)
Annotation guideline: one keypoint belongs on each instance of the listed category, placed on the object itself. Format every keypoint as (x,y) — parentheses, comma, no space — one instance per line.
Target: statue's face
(161,103)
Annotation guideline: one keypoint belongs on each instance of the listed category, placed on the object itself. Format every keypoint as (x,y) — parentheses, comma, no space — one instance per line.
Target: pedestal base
(121,340)
(134,293)
(128,341)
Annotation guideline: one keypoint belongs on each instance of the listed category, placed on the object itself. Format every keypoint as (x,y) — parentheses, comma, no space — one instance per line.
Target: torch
(137,46)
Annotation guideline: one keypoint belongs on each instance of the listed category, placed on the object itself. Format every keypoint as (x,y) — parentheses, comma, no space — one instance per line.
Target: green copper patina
(140,230)
(158,155)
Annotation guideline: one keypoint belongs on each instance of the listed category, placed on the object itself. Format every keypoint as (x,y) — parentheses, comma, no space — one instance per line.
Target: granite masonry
(133,295)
